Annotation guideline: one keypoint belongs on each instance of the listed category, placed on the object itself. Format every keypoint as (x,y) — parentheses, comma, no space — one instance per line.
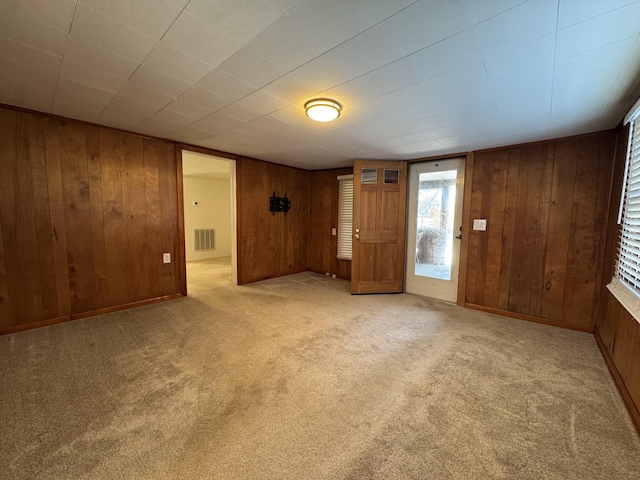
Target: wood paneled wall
(545,204)
(86,213)
(322,246)
(270,245)
(618,333)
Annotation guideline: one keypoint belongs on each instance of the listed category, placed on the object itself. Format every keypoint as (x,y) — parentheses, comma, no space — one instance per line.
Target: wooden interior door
(379,202)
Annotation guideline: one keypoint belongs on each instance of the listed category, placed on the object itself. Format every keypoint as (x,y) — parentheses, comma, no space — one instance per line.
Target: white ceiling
(416,78)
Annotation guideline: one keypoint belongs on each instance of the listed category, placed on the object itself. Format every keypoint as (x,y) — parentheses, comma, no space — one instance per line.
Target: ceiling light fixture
(322,109)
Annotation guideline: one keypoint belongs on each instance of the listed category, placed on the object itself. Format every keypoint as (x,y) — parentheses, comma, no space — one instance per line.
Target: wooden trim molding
(239,274)
(439,157)
(617,379)
(93,313)
(181,253)
(86,122)
(269,277)
(29,326)
(464,243)
(543,142)
(117,308)
(207,151)
(529,318)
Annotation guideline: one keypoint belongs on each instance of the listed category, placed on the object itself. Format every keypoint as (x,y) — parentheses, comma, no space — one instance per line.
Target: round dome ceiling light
(322,109)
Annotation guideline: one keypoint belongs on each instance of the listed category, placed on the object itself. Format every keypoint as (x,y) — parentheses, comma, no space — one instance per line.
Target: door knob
(356,236)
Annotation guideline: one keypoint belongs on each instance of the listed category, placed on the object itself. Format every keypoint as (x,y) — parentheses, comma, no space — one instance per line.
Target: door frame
(181,259)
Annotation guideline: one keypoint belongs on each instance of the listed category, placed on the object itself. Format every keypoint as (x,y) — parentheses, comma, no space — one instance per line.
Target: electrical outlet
(166,258)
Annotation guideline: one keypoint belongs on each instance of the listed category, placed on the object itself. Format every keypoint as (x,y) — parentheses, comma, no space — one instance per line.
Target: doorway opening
(209,193)
(434,228)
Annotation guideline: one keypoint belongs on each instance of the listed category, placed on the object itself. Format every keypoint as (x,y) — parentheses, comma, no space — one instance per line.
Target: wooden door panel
(390,206)
(369,201)
(367,264)
(387,253)
(378,261)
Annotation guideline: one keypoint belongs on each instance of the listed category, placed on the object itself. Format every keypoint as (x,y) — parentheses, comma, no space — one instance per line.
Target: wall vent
(205,239)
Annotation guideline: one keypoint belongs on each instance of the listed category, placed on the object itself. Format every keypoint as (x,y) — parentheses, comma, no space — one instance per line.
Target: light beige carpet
(294,378)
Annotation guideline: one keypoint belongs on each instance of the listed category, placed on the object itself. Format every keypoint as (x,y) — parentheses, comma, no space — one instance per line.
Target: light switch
(480,224)
(334,232)
(166,258)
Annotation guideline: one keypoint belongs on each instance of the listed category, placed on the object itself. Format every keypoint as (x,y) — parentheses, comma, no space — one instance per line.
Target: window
(391,176)
(628,268)
(625,286)
(345,216)
(369,176)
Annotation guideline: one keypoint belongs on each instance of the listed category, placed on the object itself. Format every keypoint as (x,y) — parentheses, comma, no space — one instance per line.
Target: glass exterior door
(435,207)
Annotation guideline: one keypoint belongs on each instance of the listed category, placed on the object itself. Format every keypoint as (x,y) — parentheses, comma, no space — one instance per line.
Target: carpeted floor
(294,378)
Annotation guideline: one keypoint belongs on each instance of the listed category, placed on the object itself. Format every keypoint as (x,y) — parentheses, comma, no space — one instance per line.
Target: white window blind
(345,216)
(628,267)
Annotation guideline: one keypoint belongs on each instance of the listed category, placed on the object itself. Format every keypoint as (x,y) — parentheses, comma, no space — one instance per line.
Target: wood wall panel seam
(584,242)
(96,205)
(151,154)
(563,184)
(75,181)
(524,234)
(113,215)
(542,232)
(495,233)
(57,220)
(44,254)
(508,227)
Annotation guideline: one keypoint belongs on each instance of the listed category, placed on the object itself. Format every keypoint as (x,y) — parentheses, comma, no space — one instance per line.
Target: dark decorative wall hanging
(279,204)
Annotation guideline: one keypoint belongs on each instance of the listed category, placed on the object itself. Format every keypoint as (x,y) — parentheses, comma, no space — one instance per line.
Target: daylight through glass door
(435,224)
